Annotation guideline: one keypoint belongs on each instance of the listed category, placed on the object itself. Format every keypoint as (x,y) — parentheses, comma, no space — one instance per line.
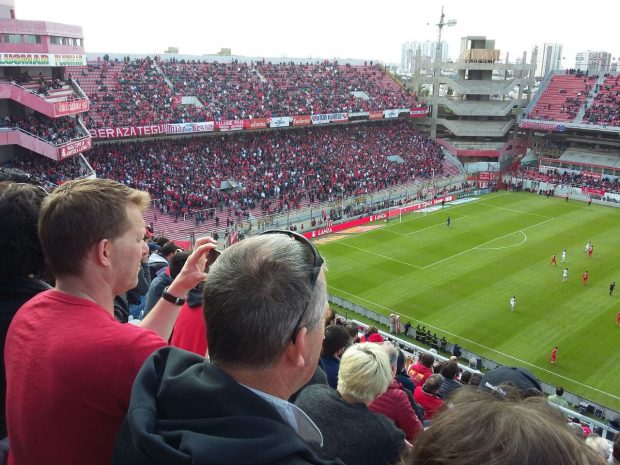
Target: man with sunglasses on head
(264,302)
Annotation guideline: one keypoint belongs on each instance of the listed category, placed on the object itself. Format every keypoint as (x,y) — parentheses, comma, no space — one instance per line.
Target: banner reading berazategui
(128,131)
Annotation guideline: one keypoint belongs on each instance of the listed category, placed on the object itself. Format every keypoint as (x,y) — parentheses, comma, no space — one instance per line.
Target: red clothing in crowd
(429,402)
(395,405)
(419,373)
(70,367)
(190,330)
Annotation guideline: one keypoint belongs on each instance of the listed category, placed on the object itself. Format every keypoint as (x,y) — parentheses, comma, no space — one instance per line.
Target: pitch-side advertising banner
(331,228)
(229,125)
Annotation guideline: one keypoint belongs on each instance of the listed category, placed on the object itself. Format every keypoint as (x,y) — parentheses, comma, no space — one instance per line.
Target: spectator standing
(264,302)
(22,265)
(335,342)
(68,333)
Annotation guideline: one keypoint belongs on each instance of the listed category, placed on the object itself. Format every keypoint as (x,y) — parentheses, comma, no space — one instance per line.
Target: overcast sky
(330,28)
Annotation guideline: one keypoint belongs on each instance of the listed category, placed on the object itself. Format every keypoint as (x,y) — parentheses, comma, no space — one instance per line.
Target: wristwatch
(171,298)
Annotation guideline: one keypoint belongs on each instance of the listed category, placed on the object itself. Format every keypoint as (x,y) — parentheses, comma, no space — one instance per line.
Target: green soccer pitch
(458,281)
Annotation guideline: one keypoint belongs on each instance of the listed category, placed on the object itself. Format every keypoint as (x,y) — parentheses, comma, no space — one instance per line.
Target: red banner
(375,115)
(70,107)
(590,174)
(130,131)
(74,148)
(229,125)
(486,175)
(418,112)
(593,191)
(303,120)
(256,123)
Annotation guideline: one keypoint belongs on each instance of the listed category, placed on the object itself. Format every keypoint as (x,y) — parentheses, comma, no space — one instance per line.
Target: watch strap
(171,298)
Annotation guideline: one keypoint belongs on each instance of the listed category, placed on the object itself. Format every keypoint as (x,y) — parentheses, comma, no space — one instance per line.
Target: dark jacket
(184,410)
(331,366)
(351,432)
(14,293)
(156,289)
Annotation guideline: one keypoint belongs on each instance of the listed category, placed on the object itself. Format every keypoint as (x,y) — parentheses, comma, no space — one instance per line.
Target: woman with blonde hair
(350,430)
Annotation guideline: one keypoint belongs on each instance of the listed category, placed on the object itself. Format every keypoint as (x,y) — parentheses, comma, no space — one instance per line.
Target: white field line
(379,255)
(513,210)
(507,246)
(484,243)
(391,310)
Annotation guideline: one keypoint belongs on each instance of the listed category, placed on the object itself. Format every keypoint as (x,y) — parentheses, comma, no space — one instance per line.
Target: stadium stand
(130,93)
(274,170)
(563,98)
(149,91)
(58,131)
(605,109)
(570,179)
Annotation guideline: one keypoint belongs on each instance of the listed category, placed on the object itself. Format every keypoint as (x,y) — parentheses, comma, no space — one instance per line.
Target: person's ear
(102,251)
(297,352)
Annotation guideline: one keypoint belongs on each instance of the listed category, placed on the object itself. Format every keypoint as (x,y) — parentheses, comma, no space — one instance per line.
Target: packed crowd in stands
(605,109)
(135,92)
(57,131)
(274,169)
(568,178)
(125,93)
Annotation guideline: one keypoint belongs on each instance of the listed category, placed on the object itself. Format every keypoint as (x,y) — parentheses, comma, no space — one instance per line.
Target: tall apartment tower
(594,62)
(548,57)
(427,50)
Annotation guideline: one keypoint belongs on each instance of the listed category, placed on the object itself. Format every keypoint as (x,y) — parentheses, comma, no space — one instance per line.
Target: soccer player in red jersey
(554,260)
(584,278)
(554,355)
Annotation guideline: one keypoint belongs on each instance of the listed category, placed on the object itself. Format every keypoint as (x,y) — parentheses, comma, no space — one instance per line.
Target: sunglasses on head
(317,263)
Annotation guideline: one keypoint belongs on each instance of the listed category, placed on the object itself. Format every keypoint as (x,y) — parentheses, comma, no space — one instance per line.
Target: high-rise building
(548,57)
(427,49)
(594,62)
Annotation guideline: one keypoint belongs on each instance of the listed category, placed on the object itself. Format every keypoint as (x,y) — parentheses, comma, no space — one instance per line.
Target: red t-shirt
(70,367)
(190,330)
(419,373)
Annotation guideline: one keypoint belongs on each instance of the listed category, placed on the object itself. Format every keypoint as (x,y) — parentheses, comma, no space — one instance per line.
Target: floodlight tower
(440,25)
(437,68)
